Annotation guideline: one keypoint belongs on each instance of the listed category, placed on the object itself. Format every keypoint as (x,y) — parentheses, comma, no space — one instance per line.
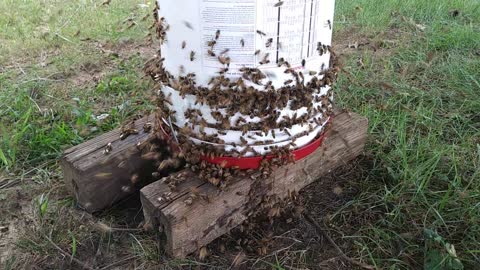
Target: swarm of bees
(173,148)
(226,97)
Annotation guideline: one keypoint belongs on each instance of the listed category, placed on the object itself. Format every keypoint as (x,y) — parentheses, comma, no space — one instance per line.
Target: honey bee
(279,4)
(103,175)
(145,17)
(265,59)
(147,127)
(151,156)
(225,51)
(192,56)
(312,73)
(223,70)
(188,201)
(134,179)
(211,53)
(329,24)
(188,25)
(108,148)
(127,132)
(303,63)
(242,42)
(224,60)
(211,43)
(214,181)
(244,142)
(269,42)
(257,52)
(217,34)
(261,33)
(184,44)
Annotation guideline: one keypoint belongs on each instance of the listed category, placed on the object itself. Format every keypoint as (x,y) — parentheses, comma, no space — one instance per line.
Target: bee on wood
(269,42)
(145,17)
(103,175)
(108,149)
(214,181)
(217,34)
(279,4)
(127,132)
(242,42)
(261,33)
(303,63)
(329,24)
(192,56)
(188,201)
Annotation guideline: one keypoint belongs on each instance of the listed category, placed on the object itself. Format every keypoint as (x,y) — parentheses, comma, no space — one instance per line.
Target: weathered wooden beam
(187,227)
(98,180)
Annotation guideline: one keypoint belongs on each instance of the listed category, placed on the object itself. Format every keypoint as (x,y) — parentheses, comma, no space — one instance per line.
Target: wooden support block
(188,227)
(98,180)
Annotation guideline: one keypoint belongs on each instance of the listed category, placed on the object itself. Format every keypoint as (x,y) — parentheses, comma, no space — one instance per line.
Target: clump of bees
(227,97)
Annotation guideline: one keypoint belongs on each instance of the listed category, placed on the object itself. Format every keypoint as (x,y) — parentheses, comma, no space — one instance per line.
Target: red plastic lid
(245,163)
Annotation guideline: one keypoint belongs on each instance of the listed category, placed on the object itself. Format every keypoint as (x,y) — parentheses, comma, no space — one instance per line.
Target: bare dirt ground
(291,240)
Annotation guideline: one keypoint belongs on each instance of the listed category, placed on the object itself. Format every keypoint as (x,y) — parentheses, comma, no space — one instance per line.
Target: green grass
(424,127)
(420,90)
(43,54)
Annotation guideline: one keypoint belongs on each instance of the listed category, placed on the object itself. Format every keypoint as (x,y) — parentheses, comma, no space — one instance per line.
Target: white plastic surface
(295,27)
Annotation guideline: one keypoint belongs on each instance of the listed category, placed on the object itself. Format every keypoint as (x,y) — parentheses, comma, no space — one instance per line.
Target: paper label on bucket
(255,34)
(290,30)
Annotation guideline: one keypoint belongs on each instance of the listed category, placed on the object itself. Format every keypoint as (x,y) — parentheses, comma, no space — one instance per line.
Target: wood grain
(98,180)
(186,228)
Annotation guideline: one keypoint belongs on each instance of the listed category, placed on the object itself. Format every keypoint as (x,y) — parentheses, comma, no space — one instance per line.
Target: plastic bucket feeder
(251,34)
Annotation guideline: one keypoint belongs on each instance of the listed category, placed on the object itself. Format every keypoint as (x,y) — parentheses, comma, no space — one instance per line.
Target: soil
(293,241)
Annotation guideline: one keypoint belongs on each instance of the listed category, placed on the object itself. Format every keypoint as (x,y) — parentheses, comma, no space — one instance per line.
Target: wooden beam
(187,227)
(98,180)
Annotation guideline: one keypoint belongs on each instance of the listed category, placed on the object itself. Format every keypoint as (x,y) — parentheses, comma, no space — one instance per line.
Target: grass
(43,51)
(418,82)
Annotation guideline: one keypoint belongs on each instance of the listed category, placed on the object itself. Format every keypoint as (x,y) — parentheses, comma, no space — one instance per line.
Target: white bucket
(288,30)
